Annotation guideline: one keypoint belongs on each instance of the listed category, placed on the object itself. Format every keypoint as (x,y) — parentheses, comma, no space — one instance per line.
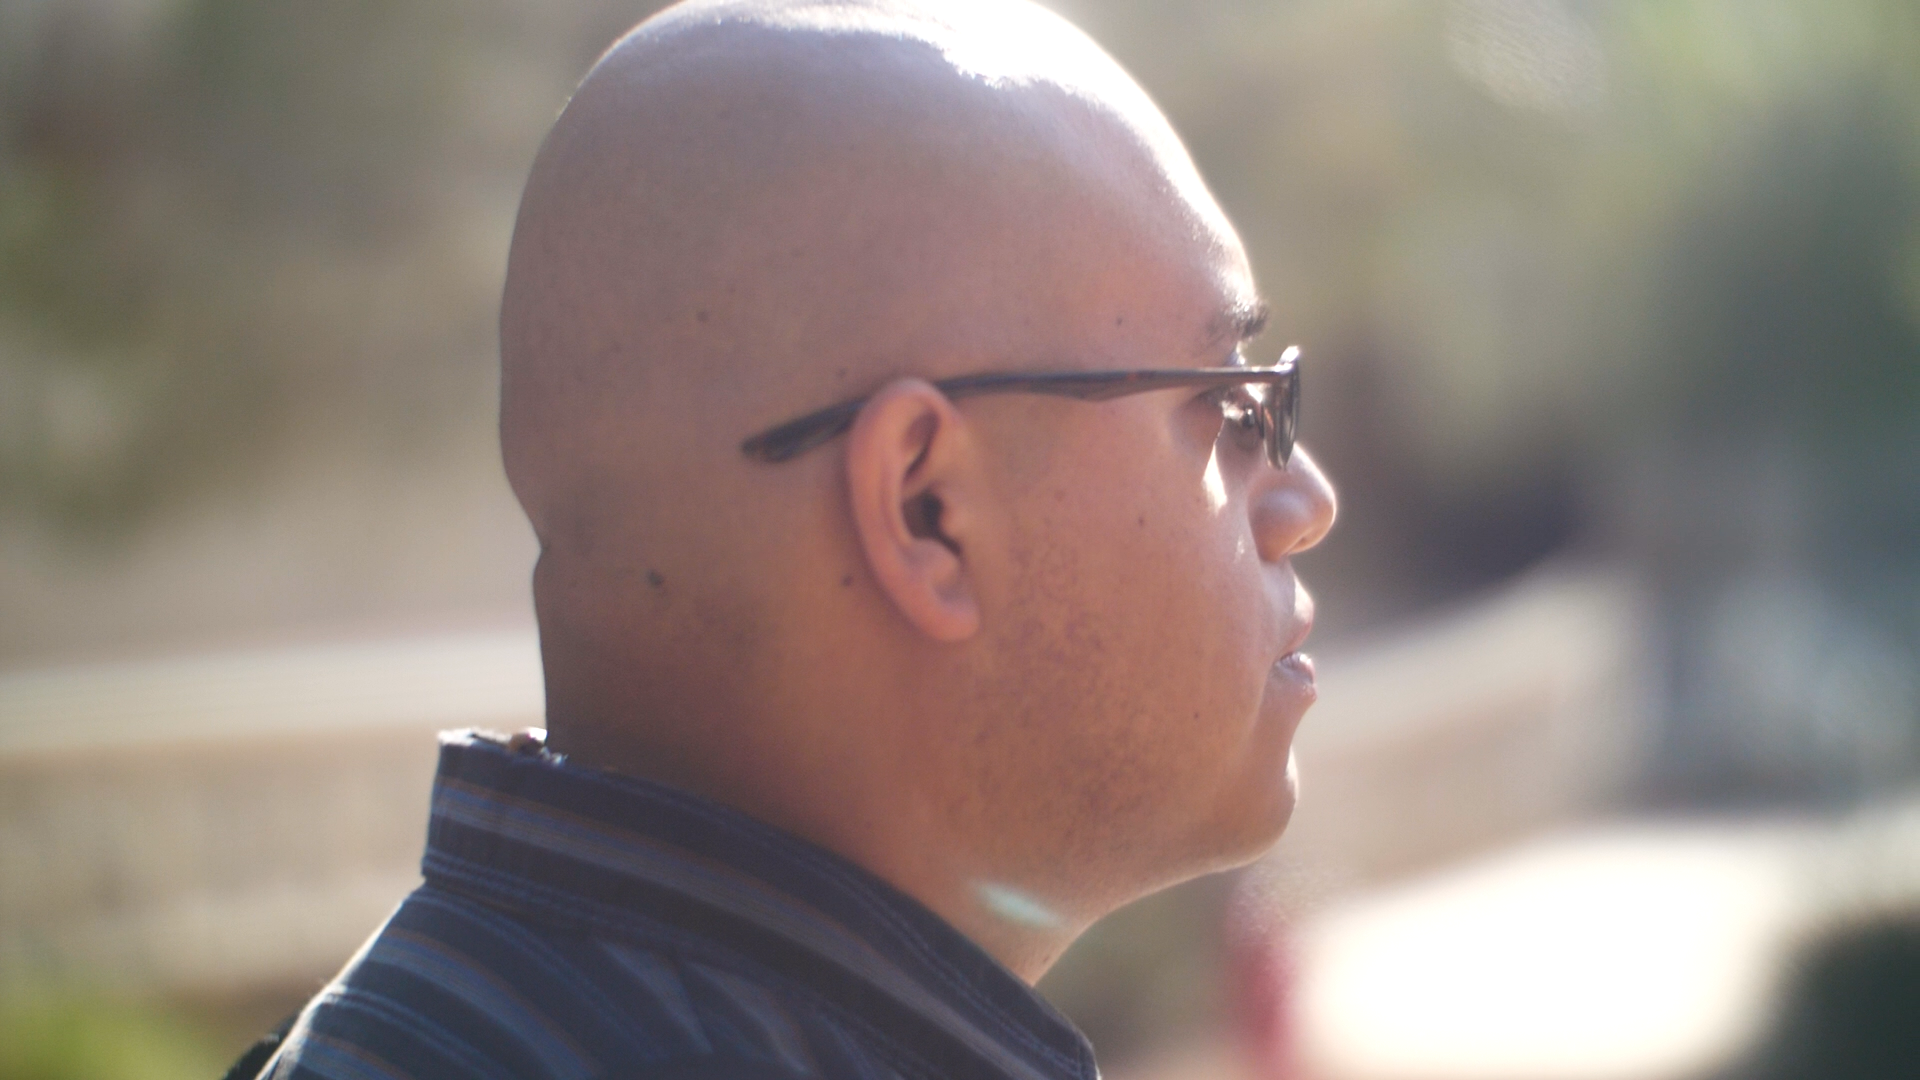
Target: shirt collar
(518,826)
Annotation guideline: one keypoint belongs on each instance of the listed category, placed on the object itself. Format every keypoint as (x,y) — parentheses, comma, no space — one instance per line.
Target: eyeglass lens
(1280,409)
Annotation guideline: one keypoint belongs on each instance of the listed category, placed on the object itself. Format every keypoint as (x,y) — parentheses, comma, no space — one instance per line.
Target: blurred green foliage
(233,232)
(79,1038)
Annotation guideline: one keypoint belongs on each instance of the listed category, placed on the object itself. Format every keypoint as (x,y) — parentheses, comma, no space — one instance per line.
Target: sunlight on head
(998,41)
(1003,43)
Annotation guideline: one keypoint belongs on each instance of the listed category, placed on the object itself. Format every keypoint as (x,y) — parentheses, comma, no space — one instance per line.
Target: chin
(1246,828)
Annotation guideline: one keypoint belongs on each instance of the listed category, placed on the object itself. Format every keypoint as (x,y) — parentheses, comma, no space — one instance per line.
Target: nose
(1291,508)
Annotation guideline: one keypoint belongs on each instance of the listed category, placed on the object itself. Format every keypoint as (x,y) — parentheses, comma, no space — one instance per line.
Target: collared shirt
(576,923)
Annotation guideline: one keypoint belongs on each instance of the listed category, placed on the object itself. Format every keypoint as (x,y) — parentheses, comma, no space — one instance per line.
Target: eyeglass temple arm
(796,437)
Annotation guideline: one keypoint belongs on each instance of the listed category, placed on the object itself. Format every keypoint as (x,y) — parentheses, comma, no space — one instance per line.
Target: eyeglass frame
(1277,417)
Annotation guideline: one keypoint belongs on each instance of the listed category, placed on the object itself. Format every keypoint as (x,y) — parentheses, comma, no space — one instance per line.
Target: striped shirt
(576,923)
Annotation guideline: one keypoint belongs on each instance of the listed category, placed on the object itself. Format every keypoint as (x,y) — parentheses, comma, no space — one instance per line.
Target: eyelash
(1223,400)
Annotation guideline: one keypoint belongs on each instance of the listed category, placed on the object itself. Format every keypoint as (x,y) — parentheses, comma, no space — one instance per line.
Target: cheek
(1181,596)
(1198,581)
(1132,649)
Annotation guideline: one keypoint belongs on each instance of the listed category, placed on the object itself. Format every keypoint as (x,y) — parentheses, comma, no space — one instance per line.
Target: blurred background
(1611,311)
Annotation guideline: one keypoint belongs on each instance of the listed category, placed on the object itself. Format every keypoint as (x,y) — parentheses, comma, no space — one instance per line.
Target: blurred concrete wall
(1527,707)
(218,824)
(213,824)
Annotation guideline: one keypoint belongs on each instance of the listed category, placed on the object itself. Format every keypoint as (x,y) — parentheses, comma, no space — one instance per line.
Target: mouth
(1295,664)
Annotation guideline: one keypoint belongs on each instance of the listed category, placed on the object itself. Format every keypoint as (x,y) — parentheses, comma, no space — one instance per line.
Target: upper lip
(1299,639)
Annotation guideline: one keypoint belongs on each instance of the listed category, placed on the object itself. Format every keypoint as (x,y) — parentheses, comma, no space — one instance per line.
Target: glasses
(1259,403)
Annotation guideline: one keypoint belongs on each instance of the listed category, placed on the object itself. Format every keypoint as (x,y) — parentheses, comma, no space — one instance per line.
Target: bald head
(752,210)
(762,205)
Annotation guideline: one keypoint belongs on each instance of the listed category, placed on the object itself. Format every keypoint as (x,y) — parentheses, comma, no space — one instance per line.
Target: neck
(914,848)
(882,828)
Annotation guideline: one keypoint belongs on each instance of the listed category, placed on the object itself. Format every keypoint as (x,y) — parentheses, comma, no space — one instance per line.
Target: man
(854,722)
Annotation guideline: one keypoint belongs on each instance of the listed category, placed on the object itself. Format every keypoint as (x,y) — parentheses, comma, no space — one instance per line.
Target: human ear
(907,460)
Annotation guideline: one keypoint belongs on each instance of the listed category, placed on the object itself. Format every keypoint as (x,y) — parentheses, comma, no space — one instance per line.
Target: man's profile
(848,739)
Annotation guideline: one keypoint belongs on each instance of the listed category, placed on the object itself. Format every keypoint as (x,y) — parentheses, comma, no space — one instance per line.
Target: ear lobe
(907,460)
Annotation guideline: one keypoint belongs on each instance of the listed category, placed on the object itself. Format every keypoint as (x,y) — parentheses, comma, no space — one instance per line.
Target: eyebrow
(1248,321)
(1241,324)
